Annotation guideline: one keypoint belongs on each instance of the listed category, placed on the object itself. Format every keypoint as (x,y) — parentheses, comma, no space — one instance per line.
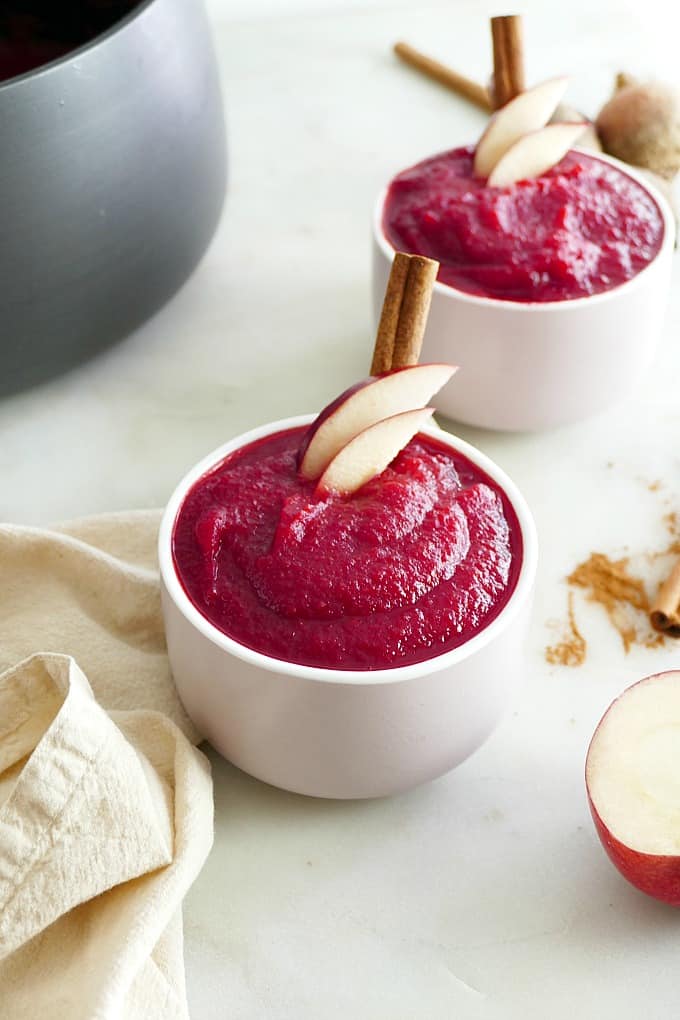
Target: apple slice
(364,404)
(369,453)
(535,153)
(633,782)
(528,111)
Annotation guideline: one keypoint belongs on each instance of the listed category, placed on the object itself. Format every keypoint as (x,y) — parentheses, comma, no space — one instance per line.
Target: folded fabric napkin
(89,589)
(105,816)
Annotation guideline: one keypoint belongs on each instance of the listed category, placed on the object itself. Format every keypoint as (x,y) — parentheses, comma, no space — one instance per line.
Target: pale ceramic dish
(341,733)
(529,366)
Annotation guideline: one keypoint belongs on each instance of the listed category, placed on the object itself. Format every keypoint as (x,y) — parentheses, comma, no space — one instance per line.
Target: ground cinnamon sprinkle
(623,595)
(672,522)
(571,651)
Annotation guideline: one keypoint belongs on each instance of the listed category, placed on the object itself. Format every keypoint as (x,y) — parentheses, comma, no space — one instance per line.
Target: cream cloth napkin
(89,589)
(105,819)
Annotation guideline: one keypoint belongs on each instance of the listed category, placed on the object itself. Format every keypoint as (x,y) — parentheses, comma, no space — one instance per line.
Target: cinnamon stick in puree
(508,58)
(404,313)
(389,317)
(665,612)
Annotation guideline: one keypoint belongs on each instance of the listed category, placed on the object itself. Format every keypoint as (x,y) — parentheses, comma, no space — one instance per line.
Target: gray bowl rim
(20,79)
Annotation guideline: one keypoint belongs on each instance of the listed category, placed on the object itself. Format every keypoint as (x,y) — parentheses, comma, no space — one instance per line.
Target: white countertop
(484,894)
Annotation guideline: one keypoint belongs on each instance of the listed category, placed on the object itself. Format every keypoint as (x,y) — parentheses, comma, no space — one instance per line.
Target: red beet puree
(582,227)
(413,564)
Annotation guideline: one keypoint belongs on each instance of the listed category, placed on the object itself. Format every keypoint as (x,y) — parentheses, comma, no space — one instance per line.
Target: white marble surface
(484,894)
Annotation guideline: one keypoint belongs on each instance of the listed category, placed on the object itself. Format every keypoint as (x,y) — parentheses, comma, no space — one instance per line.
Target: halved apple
(633,783)
(528,111)
(369,453)
(364,404)
(535,153)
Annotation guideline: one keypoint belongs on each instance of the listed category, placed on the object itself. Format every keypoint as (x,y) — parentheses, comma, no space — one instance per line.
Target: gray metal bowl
(112,178)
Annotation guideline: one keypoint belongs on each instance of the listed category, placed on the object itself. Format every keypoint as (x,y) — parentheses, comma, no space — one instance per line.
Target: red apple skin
(654,874)
(657,875)
(328,410)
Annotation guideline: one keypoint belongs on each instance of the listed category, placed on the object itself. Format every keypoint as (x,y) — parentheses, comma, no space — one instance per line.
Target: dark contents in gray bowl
(35,32)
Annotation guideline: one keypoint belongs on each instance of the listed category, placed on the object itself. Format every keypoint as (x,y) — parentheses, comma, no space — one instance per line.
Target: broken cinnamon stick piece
(508,58)
(458,83)
(399,337)
(665,612)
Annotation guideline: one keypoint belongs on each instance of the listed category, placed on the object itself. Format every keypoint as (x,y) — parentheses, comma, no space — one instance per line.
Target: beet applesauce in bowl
(554,269)
(346,644)
(582,228)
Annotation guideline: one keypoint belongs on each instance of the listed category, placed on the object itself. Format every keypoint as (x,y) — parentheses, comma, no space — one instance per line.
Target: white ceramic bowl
(527,366)
(342,733)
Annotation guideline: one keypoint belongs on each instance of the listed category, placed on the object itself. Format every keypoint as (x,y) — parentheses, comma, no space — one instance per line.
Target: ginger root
(641,125)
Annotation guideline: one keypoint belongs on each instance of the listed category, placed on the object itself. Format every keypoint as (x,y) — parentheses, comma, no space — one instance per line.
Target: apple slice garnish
(633,782)
(535,153)
(363,405)
(528,111)
(369,453)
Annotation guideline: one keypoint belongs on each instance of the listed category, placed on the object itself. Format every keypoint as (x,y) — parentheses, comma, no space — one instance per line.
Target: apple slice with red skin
(633,783)
(528,111)
(369,453)
(535,153)
(364,404)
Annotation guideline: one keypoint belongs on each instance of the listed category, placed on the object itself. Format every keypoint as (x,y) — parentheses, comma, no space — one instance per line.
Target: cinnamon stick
(415,308)
(458,83)
(665,612)
(404,314)
(508,58)
(389,317)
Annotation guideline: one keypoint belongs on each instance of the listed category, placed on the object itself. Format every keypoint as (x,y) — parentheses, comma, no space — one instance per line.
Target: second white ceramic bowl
(344,733)
(529,366)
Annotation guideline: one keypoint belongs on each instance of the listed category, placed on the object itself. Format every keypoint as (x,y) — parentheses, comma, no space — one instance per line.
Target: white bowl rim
(395,674)
(522,307)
